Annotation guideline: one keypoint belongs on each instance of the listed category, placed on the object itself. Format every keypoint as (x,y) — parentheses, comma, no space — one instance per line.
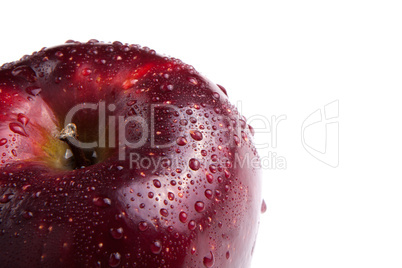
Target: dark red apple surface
(114,156)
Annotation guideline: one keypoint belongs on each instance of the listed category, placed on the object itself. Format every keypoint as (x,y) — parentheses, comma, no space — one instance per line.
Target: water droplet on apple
(156,247)
(216,95)
(3,141)
(23,119)
(18,129)
(5,198)
(143,226)
(25,72)
(244,136)
(166,162)
(210,178)
(33,91)
(116,233)
(212,168)
(114,259)
(191,225)
(214,158)
(243,123)
(183,122)
(59,54)
(209,260)
(236,140)
(251,130)
(183,216)
(194,164)
(164,212)
(27,214)
(181,141)
(227,254)
(86,71)
(14,152)
(102,202)
(263,206)
(157,183)
(192,80)
(196,135)
(150,194)
(223,89)
(171,196)
(208,193)
(199,206)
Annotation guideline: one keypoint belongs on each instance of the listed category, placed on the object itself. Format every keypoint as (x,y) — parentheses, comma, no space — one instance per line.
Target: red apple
(115,156)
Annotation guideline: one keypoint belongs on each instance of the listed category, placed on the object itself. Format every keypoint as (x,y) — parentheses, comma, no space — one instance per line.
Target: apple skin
(195,203)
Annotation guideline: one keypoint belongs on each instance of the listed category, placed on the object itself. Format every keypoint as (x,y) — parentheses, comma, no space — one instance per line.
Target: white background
(280,58)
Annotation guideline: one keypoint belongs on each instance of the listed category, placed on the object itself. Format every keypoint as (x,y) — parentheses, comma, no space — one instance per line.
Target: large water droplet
(213,168)
(3,141)
(223,89)
(156,247)
(114,259)
(208,193)
(171,196)
(214,158)
(210,178)
(209,260)
(25,72)
(164,212)
(183,216)
(181,141)
(196,135)
(23,119)
(199,206)
(18,129)
(157,183)
(194,164)
(191,225)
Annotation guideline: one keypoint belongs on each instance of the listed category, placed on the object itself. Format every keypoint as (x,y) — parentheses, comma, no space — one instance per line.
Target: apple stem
(69,136)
